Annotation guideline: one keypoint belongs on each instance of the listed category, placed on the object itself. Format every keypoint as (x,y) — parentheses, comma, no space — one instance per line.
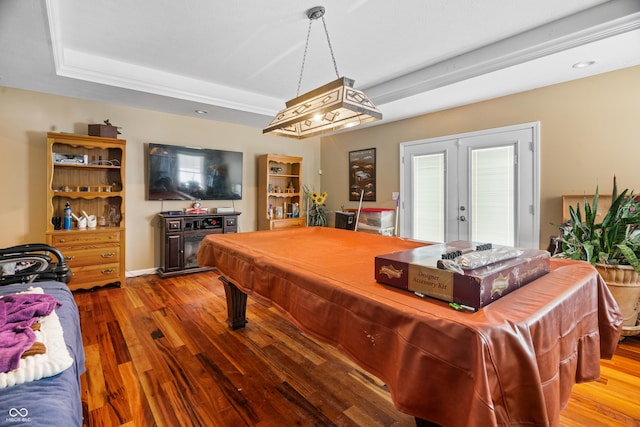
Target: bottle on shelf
(67,216)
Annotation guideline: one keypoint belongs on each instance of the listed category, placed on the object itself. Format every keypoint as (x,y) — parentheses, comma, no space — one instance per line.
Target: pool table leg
(236,304)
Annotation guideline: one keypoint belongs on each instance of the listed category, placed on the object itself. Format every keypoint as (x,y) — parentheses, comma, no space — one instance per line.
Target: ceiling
(241,60)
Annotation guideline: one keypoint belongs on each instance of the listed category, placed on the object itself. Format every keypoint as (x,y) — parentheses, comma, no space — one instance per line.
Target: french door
(480,186)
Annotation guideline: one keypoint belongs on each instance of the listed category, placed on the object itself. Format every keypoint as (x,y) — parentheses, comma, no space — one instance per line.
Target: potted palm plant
(612,246)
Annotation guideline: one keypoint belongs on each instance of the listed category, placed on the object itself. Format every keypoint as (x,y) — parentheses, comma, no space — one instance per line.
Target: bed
(45,388)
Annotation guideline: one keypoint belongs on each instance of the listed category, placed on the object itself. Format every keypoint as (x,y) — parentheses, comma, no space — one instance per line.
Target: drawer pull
(69,258)
(108,271)
(108,255)
(62,240)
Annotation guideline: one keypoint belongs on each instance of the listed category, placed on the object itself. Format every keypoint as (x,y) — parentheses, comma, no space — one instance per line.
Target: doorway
(480,186)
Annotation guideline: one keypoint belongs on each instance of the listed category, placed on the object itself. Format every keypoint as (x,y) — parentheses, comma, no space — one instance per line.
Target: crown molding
(598,23)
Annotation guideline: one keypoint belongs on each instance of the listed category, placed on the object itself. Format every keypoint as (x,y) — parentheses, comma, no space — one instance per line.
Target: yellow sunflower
(314,196)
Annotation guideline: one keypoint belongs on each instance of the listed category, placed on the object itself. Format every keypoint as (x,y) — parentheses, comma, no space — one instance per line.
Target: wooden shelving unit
(279,192)
(89,173)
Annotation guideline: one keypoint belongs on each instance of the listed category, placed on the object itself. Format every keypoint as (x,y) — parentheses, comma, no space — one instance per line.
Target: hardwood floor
(159,352)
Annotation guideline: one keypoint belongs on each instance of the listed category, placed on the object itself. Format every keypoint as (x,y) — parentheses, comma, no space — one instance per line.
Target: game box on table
(421,270)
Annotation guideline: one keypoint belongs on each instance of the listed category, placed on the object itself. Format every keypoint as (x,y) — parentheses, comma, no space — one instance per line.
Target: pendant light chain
(335,65)
(306,46)
(304,56)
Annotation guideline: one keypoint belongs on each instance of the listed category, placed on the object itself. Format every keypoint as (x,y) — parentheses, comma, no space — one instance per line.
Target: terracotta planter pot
(624,283)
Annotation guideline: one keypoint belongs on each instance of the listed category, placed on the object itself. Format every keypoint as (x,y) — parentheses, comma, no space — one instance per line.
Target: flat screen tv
(190,173)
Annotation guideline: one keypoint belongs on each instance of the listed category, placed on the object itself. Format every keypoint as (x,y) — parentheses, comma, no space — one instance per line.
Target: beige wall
(25,117)
(590,131)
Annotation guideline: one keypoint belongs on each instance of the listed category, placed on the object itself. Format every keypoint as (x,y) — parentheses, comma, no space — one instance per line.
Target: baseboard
(145,272)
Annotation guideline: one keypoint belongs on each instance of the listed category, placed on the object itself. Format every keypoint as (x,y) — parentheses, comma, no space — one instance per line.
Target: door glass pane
(493,195)
(429,197)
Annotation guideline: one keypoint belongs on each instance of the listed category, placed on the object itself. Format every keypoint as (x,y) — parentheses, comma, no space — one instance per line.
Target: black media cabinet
(182,235)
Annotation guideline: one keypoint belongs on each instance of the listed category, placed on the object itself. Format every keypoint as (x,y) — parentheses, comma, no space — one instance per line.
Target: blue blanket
(52,401)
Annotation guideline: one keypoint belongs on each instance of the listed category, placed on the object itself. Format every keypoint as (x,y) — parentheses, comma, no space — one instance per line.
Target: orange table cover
(511,363)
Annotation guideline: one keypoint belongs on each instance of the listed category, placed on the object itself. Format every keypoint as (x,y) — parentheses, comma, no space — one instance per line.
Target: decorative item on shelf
(331,107)
(612,246)
(72,159)
(57,222)
(317,211)
(113,216)
(196,208)
(91,220)
(290,188)
(106,130)
(81,222)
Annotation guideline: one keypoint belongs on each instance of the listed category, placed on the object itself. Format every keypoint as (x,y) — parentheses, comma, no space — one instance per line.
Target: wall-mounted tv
(190,173)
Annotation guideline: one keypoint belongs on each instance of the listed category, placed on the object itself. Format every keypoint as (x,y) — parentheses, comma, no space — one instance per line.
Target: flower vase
(317,217)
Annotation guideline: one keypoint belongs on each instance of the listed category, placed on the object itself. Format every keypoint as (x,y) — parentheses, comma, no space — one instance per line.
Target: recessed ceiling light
(202,112)
(583,64)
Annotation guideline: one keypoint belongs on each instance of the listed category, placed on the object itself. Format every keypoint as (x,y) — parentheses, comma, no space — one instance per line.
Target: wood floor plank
(160,353)
(119,345)
(162,407)
(170,331)
(126,313)
(95,391)
(137,400)
(99,417)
